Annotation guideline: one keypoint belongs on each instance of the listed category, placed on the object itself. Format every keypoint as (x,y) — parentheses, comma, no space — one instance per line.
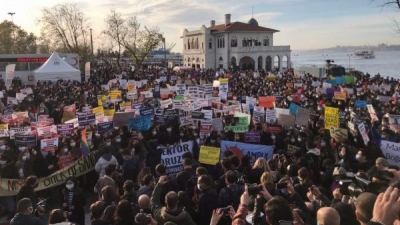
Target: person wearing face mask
(24,164)
(24,214)
(208,199)
(73,201)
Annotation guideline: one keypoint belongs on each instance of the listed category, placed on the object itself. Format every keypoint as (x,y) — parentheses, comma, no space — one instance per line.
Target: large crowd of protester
(312,177)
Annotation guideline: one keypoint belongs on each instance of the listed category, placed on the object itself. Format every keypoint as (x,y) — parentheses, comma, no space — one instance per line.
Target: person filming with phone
(25,215)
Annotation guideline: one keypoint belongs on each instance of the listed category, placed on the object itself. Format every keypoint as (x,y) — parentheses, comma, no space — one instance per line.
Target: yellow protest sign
(3,126)
(331,117)
(101,99)
(4,130)
(115,94)
(223,80)
(125,104)
(209,155)
(98,111)
(109,112)
(131,86)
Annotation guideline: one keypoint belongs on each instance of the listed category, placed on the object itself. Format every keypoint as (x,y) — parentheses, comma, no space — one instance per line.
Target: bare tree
(140,43)
(117,30)
(66,26)
(391,4)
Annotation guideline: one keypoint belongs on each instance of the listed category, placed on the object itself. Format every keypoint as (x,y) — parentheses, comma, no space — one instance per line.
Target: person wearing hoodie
(105,159)
(208,200)
(25,216)
(170,212)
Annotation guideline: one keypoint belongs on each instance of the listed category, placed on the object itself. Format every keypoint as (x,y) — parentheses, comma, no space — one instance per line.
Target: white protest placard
(26,91)
(50,144)
(217,124)
(208,114)
(20,96)
(147,94)
(166,103)
(363,133)
(281,111)
(45,132)
(18,130)
(73,121)
(171,156)
(270,116)
(391,151)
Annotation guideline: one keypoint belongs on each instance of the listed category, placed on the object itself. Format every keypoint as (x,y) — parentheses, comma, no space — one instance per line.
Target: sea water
(386,63)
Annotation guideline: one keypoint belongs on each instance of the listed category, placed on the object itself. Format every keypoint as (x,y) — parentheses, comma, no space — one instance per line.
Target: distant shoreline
(352,49)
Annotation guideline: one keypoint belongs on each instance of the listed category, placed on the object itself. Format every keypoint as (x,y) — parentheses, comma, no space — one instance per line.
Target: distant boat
(365,54)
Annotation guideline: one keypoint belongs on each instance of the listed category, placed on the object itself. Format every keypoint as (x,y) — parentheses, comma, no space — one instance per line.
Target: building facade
(234,45)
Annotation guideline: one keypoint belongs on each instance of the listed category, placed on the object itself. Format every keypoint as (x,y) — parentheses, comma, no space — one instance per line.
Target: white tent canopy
(54,69)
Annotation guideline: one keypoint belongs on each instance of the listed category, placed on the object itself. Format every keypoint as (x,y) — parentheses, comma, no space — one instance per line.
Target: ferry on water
(364,54)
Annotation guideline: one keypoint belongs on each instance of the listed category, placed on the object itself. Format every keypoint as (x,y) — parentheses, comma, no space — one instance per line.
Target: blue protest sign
(142,123)
(340,80)
(293,108)
(105,127)
(360,104)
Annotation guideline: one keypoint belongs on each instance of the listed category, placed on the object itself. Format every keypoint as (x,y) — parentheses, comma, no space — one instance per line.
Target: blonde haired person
(267,180)
(260,166)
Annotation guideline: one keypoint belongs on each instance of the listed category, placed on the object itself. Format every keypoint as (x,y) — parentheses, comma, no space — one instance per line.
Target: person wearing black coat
(73,201)
(208,200)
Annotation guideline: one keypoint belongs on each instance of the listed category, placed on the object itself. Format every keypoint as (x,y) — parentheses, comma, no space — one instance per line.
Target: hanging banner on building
(241,149)
(11,187)
(209,155)
(331,117)
(171,156)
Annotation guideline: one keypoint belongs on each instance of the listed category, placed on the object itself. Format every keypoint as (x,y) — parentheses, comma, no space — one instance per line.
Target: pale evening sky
(303,24)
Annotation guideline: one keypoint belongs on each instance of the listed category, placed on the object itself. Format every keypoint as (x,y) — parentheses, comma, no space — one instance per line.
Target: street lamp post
(91,42)
(349,55)
(11,14)
(165,53)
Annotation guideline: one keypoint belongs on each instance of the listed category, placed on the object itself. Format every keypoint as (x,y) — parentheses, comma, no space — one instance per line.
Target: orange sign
(267,101)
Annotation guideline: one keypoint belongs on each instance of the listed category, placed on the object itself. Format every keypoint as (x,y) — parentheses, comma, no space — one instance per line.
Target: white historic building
(237,44)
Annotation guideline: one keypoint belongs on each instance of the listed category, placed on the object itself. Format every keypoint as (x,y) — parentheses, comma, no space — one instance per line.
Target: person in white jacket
(104,160)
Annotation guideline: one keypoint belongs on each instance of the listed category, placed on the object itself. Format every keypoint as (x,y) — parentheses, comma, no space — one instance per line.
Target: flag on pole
(84,145)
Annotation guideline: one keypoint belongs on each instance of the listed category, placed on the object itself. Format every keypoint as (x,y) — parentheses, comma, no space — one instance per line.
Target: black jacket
(25,219)
(183,177)
(208,201)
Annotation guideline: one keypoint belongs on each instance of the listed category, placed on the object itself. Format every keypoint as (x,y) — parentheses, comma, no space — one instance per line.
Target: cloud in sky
(303,24)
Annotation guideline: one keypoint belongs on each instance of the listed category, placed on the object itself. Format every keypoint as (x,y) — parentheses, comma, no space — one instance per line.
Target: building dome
(253,21)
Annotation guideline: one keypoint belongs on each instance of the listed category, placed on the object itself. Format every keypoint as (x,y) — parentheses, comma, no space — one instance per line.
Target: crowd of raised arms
(156,146)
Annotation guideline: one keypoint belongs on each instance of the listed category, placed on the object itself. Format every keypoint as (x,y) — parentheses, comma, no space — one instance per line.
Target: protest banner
(11,187)
(360,104)
(340,134)
(209,155)
(391,152)
(241,149)
(65,160)
(73,121)
(50,144)
(98,111)
(293,108)
(122,118)
(69,112)
(105,127)
(65,129)
(171,156)
(363,132)
(25,140)
(217,124)
(302,117)
(196,115)
(85,120)
(270,116)
(258,114)
(239,126)
(331,117)
(109,112)
(18,130)
(394,122)
(4,130)
(286,120)
(340,96)
(47,132)
(142,123)
(274,129)
(252,136)
(205,126)
(267,101)
(116,94)
(372,113)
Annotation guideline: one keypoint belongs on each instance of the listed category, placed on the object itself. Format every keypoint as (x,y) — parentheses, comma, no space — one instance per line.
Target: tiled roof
(239,26)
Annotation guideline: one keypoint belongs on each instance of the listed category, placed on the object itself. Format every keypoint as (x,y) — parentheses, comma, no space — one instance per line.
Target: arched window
(221,59)
(266,41)
(202,45)
(249,42)
(188,44)
(223,42)
(234,42)
(255,40)
(218,43)
(210,43)
(197,43)
(193,46)
(244,42)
